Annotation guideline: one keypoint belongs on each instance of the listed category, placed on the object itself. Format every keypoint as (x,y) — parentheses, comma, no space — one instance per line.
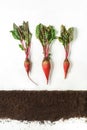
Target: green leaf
(45,34)
(21,47)
(15,32)
(37,31)
(22,32)
(66,36)
(70,32)
(15,35)
(39,34)
(52,34)
(63,29)
(27,33)
(61,40)
(15,27)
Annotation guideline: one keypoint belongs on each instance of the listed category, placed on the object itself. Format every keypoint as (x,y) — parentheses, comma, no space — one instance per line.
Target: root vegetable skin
(46,68)
(27,65)
(66,65)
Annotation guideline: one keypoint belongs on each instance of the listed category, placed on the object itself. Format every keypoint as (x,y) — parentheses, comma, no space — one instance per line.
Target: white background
(12,73)
(48,12)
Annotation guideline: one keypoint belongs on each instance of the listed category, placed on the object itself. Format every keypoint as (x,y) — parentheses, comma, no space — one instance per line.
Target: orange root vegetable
(66,36)
(46,35)
(46,68)
(23,34)
(27,65)
(66,65)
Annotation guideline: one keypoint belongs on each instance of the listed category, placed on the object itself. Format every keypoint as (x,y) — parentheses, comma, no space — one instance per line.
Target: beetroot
(66,65)
(46,68)
(66,36)
(46,35)
(27,65)
(23,34)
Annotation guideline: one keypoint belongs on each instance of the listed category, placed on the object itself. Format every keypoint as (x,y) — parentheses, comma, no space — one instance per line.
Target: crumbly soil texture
(43,105)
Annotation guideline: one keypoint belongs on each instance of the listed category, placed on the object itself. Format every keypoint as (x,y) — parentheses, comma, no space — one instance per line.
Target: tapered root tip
(47,81)
(65,76)
(31,79)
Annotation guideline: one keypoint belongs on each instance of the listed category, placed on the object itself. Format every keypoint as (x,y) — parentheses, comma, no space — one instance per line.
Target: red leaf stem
(27,52)
(23,43)
(46,50)
(66,51)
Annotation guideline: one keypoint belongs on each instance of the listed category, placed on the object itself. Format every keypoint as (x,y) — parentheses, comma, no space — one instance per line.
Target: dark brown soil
(43,105)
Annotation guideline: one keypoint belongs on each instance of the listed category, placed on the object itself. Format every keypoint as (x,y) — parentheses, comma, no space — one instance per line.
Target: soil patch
(43,105)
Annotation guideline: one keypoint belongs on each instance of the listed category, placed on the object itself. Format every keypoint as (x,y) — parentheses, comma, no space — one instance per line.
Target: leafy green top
(66,36)
(22,33)
(45,34)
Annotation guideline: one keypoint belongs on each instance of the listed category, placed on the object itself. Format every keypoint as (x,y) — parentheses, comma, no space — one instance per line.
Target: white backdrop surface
(49,12)
(12,73)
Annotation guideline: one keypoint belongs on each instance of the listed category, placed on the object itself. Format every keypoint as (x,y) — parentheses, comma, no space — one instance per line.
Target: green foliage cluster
(45,34)
(22,33)
(66,36)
